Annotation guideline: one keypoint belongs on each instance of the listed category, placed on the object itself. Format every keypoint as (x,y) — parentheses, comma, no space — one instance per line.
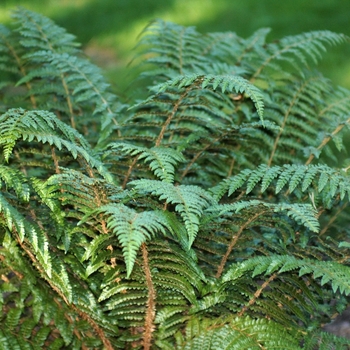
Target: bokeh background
(108,29)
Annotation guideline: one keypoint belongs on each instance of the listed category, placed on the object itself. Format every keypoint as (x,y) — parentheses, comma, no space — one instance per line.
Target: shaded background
(108,29)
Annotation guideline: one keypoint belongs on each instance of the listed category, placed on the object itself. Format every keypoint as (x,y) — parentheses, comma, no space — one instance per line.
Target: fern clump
(208,211)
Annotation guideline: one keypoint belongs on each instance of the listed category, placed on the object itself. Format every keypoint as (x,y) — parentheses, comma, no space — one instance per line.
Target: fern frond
(331,272)
(304,214)
(60,78)
(315,177)
(12,178)
(174,49)
(234,334)
(133,228)
(189,201)
(42,33)
(44,127)
(226,83)
(324,341)
(301,47)
(162,160)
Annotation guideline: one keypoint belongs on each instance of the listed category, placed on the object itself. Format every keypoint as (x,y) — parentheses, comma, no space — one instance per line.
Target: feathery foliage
(210,211)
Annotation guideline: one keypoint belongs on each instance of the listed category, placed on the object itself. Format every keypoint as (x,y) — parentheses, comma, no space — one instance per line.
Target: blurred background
(108,29)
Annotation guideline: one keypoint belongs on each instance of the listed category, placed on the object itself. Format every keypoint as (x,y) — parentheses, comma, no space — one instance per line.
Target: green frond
(226,83)
(42,33)
(304,214)
(132,228)
(162,160)
(324,341)
(301,48)
(8,47)
(44,127)
(85,82)
(196,218)
(189,201)
(174,49)
(234,334)
(311,177)
(12,178)
(331,272)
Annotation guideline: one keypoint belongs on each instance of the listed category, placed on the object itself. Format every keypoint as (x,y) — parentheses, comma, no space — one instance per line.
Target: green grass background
(108,29)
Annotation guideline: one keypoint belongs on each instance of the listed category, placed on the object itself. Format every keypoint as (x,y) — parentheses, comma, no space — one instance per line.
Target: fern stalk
(171,116)
(257,294)
(151,303)
(326,139)
(234,242)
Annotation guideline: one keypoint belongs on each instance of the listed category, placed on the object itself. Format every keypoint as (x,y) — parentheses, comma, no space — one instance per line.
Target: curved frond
(330,272)
(301,48)
(133,228)
(290,177)
(44,127)
(162,161)
(239,333)
(189,201)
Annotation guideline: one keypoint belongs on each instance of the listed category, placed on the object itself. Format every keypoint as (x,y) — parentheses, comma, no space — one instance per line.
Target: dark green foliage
(209,213)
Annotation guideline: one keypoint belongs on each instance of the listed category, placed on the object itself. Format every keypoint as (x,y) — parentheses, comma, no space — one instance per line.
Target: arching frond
(226,83)
(189,201)
(329,272)
(325,180)
(44,127)
(162,161)
(133,228)
(300,48)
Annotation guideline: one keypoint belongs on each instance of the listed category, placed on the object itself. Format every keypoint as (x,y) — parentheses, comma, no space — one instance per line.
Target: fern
(328,271)
(132,229)
(224,83)
(189,201)
(210,212)
(162,160)
(232,334)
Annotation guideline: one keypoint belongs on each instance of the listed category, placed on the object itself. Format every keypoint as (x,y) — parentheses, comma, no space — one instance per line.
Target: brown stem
(233,243)
(151,303)
(99,331)
(98,200)
(171,116)
(333,218)
(55,160)
(326,140)
(230,170)
(131,167)
(197,155)
(257,294)
(69,102)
